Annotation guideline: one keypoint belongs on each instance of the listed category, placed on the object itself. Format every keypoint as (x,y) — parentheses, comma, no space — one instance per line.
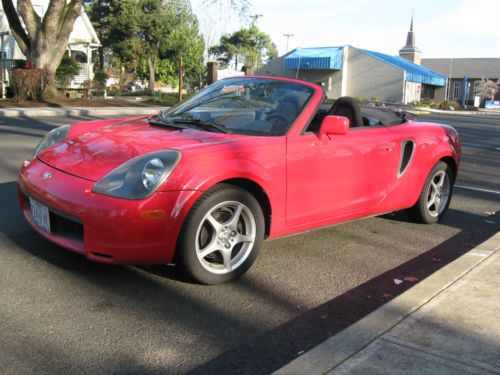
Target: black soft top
(381,116)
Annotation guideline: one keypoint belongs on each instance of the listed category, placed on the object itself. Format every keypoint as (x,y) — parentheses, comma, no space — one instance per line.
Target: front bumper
(105,229)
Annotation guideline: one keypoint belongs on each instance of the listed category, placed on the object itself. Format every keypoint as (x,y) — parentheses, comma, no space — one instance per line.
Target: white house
(83,41)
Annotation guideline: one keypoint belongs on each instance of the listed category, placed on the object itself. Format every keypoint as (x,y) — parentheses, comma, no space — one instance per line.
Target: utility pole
(287,36)
(255,17)
(181,73)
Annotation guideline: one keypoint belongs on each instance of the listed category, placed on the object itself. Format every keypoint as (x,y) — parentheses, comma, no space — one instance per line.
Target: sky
(443,28)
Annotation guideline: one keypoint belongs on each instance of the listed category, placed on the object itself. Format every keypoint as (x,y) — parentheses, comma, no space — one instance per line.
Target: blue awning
(315,58)
(414,72)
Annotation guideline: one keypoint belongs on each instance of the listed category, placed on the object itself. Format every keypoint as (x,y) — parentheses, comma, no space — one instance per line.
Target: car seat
(284,114)
(348,107)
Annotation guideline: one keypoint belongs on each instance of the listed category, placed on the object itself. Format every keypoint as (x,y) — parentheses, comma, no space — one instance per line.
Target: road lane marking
(478,189)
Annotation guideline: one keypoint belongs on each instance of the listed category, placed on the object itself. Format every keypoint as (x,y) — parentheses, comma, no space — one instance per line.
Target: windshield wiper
(202,124)
(156,121)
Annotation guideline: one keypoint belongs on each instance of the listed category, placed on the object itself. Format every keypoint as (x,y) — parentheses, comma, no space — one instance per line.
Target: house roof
(315,58)
(413,72)
(465,67)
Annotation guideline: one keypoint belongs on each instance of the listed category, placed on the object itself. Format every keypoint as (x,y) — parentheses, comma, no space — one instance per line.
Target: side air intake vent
(407,148)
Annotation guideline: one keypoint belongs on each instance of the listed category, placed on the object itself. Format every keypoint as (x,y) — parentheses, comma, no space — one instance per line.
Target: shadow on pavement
(156,287)
(279,346)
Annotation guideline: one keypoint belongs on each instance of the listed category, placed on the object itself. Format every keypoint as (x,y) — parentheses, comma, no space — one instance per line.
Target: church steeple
(410,51)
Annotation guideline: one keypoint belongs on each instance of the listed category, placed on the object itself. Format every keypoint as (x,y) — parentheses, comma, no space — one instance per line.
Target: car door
(339,177)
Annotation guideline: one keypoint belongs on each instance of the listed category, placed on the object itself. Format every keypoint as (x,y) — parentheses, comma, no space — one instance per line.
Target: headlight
(51,138)
(139,177)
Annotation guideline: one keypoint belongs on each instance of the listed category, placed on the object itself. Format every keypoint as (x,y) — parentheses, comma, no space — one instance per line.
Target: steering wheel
(281,124)
(279,117)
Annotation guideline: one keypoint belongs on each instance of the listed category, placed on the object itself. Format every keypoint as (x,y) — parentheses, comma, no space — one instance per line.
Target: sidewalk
(426,111)
(448,323)
(79,111)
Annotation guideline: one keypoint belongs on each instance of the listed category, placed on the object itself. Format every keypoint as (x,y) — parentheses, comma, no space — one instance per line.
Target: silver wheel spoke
(212,247)
(233,221)
(431,202)
(243,238)
(226,256)
(214,223)
(434,187)
(440,183)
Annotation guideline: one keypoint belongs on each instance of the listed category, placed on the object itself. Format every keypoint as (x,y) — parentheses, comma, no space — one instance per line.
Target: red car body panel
(309,180)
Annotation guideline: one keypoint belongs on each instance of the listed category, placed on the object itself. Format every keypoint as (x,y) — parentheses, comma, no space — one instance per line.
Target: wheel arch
(259,193)
(452,164)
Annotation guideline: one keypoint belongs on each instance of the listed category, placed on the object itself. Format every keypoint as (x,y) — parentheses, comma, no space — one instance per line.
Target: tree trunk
(43,41)
(152,76)
(101,57)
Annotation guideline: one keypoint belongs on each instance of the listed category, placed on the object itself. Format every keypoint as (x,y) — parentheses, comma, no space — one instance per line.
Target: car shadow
(172,298)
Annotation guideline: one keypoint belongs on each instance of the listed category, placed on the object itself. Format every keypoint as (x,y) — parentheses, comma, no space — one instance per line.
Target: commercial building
(357,72)
(465,75)
(347,70)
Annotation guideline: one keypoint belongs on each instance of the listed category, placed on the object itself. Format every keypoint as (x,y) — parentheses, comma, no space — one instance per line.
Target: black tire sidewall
(420,212)
(186,257)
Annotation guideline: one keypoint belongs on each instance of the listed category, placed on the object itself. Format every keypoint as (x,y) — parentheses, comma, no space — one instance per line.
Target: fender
(441,151)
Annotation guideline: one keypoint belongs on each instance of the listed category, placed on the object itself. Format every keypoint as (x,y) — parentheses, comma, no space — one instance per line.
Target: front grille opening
(407,148)
(65,226)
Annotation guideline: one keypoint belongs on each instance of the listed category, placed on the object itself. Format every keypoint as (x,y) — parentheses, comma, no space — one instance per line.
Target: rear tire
(221,236)
(435,197)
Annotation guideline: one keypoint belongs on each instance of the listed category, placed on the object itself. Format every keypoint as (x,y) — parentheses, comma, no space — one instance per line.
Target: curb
(337,349)
(79,111)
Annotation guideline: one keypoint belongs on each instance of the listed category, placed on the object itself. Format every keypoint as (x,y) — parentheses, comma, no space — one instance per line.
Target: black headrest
(348,107)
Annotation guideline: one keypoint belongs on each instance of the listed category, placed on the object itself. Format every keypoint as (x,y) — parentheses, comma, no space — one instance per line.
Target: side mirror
(334,125)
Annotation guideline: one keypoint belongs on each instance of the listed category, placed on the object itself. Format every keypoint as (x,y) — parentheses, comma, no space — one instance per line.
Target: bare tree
(487,88)
(43,40)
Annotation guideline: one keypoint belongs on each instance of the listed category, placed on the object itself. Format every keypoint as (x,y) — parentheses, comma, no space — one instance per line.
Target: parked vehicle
(248,158)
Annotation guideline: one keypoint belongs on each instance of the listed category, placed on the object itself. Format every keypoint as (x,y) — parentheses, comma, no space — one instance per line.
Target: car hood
(94,153)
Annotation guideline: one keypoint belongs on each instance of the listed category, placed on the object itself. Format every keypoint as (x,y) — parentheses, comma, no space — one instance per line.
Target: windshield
(253,106)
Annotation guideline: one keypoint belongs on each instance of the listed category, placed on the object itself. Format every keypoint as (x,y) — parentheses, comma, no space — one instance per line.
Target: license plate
(40,215)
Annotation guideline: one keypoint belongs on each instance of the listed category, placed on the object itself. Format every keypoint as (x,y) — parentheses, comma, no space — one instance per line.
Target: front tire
(435,197)
(221,236)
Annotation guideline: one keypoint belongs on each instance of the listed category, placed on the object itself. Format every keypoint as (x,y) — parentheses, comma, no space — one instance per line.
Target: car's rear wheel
(221,236)
(435,197)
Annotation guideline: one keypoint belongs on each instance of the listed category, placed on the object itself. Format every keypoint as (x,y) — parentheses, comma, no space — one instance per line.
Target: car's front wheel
(435,197)
(221,235)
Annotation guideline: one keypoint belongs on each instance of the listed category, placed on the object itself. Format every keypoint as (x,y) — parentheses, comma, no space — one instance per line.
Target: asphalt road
(60,313)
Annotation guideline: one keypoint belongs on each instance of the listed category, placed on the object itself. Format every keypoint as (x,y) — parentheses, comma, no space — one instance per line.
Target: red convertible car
(204,183)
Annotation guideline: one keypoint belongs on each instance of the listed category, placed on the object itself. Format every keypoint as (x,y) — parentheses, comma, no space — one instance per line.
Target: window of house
(456,90)
(80,57)
(477,89)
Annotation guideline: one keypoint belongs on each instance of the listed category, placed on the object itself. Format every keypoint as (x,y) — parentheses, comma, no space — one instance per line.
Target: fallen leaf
(386,295)
(411,279)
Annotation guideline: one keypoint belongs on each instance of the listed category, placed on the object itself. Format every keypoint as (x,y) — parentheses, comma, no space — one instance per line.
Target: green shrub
(100,78)
(451,105)
(167,99)
(67,69)
(362,100)
(145,92)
